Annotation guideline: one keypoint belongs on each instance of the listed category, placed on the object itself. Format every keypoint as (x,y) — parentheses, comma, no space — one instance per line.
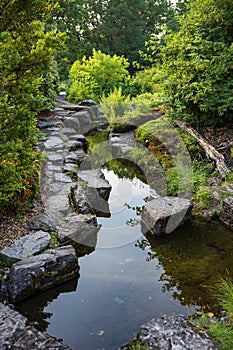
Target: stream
(126,280)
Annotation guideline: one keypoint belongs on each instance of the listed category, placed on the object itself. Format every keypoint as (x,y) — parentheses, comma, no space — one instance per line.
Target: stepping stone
(79,229)
(26,246)
(164,214)
(40,272)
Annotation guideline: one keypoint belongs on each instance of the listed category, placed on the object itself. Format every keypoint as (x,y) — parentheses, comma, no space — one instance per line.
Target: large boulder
(97,190)
(85,121)
(175,333)
(26,246)
(164,214)
(17,333)
(79,229)
(40,272)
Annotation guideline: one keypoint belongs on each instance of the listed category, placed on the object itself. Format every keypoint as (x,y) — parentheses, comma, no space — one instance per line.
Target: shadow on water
(193,259)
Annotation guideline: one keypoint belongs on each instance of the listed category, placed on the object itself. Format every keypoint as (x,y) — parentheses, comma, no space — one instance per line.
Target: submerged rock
(173,333)
(40,272)
(25,246)
(17,333)
(163,215)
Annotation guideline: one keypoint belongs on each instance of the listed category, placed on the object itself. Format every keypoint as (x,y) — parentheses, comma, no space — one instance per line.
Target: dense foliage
(96,76)
(197,64)
(26,62)
(113,27)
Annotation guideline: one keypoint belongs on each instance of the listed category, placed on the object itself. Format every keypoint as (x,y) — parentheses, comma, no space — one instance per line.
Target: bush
(97,76)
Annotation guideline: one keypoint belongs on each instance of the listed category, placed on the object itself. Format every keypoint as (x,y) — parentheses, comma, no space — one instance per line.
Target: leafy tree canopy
(197,64)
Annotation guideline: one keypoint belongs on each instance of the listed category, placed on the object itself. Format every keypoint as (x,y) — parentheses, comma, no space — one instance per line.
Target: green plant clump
(97,76)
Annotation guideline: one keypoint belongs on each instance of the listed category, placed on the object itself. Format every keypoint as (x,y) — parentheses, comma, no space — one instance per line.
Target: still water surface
(125,282)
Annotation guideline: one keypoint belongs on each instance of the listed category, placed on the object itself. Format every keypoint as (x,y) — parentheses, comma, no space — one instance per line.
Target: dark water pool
(126,280)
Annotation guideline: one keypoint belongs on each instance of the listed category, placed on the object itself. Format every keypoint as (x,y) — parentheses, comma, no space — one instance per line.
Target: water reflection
(193,258)
(34,308)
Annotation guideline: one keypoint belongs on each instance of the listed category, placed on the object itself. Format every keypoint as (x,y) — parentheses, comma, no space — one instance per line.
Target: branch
(210,151)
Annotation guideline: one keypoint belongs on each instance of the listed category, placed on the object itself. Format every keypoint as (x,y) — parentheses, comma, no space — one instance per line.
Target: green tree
(26,58)
(111,26)
(197,64)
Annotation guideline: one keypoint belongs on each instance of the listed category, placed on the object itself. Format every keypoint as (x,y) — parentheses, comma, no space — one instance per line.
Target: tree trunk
(210,151)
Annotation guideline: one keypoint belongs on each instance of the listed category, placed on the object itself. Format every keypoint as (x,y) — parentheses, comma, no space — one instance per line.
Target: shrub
(97,76)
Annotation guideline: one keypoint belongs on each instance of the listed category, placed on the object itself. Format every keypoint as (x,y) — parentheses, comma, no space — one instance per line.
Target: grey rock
(45,222)
(54,158)
(79,229)
(70,167)
(174,333)
(78,200)
(97,190)
(90,103)
(40,272)
(53,143)
(227,212)
(60,177)
(17,333)
(25,246)
(163,215)
(74,145)
(80,138)
(85,121)
(42,124)
(69,132)
(71,122)
(75,157)
(57,203)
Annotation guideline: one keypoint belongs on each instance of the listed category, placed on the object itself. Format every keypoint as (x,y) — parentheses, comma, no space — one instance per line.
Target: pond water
(127,280)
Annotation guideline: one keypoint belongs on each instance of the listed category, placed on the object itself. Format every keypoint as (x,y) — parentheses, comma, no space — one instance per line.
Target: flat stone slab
(163,215)
(53,143)
(40,272)
(174,333)
(79,229)
(16,333)
(25,246)
(58,203)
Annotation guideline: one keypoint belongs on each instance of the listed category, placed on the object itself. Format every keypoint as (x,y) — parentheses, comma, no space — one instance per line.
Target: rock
(25,246)
(70,167)
(44,221)
(60,177)
(80,138)
(173,333)
(16,333)
(43,124)
(163,215)
(97,190)
(74,145)
(40,272)
(78,200)
(85,121)
(75,157)
(54,158)
(58,203)
(53,143)
(79,228)
(89,103)
(72,123)
(227,212)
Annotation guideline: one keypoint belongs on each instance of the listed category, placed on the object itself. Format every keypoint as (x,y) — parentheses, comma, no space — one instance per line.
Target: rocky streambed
(75,193)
